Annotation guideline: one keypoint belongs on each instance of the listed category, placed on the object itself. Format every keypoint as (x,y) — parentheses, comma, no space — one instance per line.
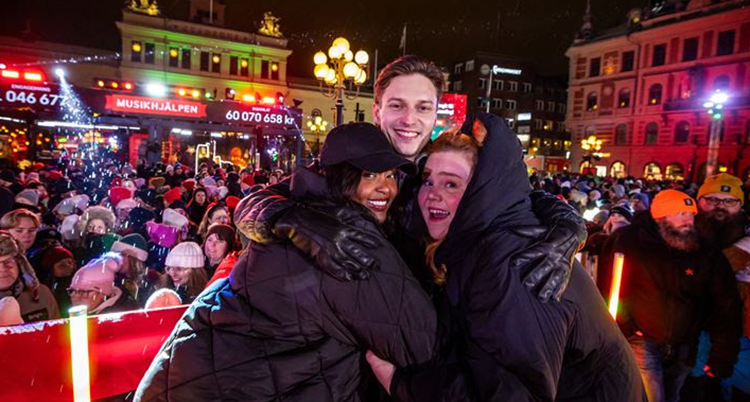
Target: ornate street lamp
(715,108)
(342,72)
(592,146)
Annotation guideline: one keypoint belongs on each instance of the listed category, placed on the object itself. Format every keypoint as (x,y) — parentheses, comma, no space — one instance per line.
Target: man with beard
(720,220)
(671,290)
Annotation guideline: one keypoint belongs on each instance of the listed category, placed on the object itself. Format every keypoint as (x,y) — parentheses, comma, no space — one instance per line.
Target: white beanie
(10,312)
(69,227)
(185,255)
(223,191)
(127,203)
(208,181)
(171,217)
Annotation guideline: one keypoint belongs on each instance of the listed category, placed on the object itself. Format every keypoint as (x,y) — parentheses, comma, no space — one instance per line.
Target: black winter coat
(670,296)
(278,329)
(506,344)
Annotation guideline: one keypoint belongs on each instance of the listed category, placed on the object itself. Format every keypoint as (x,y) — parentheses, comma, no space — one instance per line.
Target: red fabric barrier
(35,358)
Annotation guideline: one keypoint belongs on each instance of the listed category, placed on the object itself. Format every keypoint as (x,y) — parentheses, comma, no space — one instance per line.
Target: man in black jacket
(671,290)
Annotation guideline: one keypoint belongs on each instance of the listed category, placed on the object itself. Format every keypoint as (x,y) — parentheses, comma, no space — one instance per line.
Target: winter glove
(339,249)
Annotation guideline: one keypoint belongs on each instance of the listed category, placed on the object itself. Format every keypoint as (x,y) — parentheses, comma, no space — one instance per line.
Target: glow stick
(79,351)
(614,294)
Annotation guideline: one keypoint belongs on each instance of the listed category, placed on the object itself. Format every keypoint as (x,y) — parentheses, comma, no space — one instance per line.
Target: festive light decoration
(614,294)
(342,73)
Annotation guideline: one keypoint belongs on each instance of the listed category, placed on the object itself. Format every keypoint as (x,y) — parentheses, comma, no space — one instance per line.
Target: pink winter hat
(97,275)
(163,235)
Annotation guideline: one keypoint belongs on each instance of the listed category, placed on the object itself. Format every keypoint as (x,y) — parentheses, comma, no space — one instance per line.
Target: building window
(205,57)
(511,123)
(174,57)
(512,86)
(233,65)
(660,55)
(244,67)
(621,134)
(470,65)
(652,133)
(275,71)
(136,49)
(674,171)
(540,105)
(592,102)
(185,62)
(482,102)
(497,103)
(510,104)
(216,63)
(549,125)
(561,108)
(458,69)
(265,69)
(550,106)
(681,132)
(690,49)
(595,67)
(628,61)
(726,43)
(652,171)
(721,83)
(526,87)
(538,124)
(623,98)
(457,86)
(654,94)
(617,170)
(150,55)
(482,83)
(497,84)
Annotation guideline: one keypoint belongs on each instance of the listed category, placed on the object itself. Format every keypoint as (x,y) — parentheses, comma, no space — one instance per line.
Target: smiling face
(215,248)
(376,192)
(446,176)
(407,112)
(179,275)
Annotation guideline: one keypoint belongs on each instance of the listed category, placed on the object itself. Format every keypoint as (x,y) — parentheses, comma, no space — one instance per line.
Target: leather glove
(340,250)
(549,262)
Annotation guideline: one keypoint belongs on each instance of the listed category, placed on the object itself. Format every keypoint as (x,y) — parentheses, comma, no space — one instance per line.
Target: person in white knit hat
(185,272)
(94,287)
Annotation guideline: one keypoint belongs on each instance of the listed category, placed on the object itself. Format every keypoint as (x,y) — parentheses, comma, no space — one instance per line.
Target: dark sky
(444,30)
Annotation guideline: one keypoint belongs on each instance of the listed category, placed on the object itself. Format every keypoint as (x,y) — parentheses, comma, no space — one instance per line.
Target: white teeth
(438,212)
(409,134)
(377,203)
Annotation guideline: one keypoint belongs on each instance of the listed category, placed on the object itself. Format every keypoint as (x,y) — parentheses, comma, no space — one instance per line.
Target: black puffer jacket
(669,296)
(508,345)
(278,329)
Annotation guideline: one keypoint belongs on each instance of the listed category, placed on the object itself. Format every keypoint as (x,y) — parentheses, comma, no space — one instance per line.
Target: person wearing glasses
(94,286)
(18,280)
(720,220)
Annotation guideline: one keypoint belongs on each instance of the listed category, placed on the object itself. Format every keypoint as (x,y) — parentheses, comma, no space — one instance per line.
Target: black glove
(549,261)
(338,249)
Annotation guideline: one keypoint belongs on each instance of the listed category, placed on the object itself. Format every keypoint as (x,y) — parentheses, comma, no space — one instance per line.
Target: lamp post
(317,125)
(342,71)
(715,108)
(592,146)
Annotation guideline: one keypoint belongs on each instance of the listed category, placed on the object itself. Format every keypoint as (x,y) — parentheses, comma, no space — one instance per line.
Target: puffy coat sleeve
(256,214)
(388,313)
(725,324)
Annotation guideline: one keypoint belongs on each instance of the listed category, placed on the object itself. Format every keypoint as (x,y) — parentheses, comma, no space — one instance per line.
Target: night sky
(444,30)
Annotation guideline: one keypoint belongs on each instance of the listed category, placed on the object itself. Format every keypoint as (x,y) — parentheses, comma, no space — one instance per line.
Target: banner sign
(39,96)
(36,357)
(155,106)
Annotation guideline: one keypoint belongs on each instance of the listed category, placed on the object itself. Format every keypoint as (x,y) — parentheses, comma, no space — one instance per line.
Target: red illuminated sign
(451,112)
(164,107)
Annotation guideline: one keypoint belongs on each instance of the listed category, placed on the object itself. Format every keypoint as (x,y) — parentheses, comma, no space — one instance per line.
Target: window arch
(621,134)
(682,132)
(592,102)
(652,171)
(652,133)
(674,171)
(721,83)
(623,98)
(617,170)
(654,94)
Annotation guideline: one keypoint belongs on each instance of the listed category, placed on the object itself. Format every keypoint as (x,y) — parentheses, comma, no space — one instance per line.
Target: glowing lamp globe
(342,44)
(320,58)
(351,69)
(361,77)
(321,71)
(719,97)
(348,56)
(361,57)
(331,77)
(334,52)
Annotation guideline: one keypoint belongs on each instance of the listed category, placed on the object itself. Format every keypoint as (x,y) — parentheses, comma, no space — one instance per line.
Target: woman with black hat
(279,328)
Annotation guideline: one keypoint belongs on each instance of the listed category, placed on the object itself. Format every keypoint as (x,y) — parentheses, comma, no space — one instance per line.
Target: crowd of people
(395,268)
(113,237)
